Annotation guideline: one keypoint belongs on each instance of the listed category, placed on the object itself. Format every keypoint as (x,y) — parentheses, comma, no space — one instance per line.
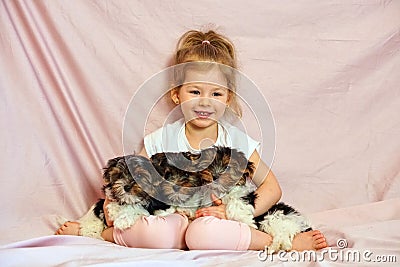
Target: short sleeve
(237,139)
(166,139)
(152,142)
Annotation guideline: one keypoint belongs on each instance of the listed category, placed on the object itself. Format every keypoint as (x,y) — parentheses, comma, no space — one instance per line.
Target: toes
(319,240)
(68,228)
(321,245)
(318,236)
(60,230)
(316,232)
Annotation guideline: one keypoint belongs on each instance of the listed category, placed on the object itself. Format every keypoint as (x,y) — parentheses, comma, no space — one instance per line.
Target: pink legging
(174,231)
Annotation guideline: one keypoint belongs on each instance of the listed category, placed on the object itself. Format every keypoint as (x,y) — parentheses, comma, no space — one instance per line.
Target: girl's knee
(205,233)
(198,234)
(214,233)
(155,232)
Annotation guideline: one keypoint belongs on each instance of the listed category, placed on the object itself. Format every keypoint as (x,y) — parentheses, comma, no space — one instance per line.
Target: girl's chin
(202,122)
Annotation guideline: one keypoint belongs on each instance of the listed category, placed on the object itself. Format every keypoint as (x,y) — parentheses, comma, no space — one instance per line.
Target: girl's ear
(230,96)
(175,95)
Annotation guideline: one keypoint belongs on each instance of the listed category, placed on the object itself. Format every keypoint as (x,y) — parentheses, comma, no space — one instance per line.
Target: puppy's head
(129,179)
(180,185)
(229,168)
(181,177)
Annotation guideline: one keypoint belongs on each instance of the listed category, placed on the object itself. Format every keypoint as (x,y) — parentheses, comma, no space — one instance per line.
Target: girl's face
(203,97)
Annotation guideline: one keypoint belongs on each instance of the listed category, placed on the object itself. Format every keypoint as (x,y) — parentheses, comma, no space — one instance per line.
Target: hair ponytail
(205,46)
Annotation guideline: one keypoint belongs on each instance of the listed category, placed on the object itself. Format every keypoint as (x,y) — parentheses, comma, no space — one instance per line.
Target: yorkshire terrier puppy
(131,184)
(228,176)
(281,221)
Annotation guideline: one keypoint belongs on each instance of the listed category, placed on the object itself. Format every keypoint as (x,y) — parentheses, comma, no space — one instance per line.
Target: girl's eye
(217,94)
(195,92)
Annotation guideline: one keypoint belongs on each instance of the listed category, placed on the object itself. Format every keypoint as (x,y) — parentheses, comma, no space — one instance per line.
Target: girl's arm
(269,192)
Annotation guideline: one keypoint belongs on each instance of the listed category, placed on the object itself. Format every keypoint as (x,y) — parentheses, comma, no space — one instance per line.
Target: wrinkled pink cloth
(70,68)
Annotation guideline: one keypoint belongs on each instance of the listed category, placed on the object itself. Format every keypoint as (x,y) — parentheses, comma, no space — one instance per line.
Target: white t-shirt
(172,138)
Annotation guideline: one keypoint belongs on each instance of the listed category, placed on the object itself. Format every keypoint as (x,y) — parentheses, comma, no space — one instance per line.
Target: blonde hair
(205,46)
(210,47)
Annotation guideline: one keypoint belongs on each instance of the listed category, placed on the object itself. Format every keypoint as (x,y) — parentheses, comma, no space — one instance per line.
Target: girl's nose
(204,101)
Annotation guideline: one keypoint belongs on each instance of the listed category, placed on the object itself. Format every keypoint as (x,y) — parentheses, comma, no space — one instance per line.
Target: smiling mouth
(203,114)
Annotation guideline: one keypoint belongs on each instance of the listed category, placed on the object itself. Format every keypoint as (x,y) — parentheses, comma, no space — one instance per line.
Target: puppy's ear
(112,171)
(157,159)
(104,187)
(113,162)
(112,174)
(108,170)
(206,177)
(249,171)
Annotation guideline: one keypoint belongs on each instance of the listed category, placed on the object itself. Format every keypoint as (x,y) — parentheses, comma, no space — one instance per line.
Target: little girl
(205,91)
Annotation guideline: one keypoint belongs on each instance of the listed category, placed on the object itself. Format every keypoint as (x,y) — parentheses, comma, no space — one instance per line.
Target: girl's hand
(217,210)
(108,220)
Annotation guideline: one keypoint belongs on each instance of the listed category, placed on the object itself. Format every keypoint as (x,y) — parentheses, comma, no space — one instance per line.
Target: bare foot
(69,228)
(259,240)
(311,240)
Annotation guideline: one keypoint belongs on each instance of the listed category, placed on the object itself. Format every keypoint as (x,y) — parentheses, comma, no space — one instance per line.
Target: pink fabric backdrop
(329,70)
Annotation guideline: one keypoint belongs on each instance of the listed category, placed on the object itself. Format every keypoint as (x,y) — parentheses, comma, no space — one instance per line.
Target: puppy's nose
(127,188)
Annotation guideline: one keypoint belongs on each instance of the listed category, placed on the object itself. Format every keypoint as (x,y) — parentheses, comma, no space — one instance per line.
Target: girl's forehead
(205,86)
(211,76)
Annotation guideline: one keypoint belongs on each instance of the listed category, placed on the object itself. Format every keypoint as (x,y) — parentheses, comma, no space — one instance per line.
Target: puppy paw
(128,215)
